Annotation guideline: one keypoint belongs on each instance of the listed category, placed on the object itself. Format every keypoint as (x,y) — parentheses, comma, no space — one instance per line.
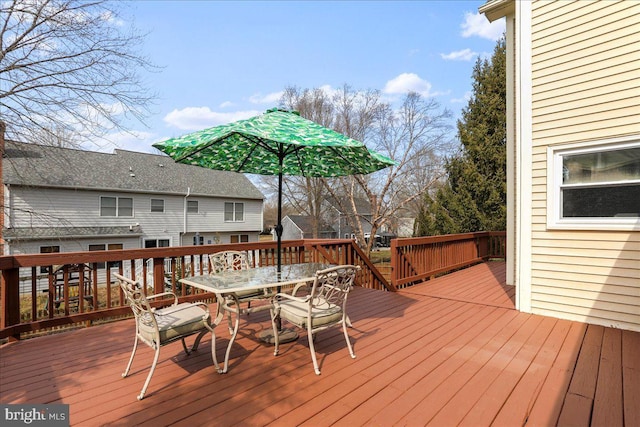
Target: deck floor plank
(631,377)
(449,351)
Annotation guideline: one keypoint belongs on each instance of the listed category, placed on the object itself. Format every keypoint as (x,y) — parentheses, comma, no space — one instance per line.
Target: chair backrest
(332,285)
(137,301)
(228,260)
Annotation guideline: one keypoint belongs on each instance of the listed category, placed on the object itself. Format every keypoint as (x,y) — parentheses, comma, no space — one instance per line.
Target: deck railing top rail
(417,259)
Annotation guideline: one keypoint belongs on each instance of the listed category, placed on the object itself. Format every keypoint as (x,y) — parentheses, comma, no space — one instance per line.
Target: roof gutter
(496,9)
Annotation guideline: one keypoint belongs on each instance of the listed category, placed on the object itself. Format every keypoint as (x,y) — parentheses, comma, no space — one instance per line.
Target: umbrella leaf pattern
(260,144)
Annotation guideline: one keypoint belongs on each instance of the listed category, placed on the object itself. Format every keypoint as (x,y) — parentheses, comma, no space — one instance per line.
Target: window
(192,206)
(116,206)
(48,250)
(233,212)
(239,238)
(198,239)
(156,243)
(157,205)
(595,187)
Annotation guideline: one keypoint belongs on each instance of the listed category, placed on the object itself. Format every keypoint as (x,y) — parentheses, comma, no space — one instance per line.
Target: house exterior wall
(585,76)
(37,207)
(290,231)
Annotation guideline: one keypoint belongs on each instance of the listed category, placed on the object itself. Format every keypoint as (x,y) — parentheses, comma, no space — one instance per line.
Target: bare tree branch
(69,66)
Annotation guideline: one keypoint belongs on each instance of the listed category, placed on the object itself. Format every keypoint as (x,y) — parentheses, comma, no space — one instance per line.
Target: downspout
(184,215)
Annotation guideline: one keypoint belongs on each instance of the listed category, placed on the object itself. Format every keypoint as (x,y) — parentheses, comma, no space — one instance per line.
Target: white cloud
(226,104)
(459,55)
(139,141)
(197,118)
(408,82)
(465,98)
(270,98)
(476,24)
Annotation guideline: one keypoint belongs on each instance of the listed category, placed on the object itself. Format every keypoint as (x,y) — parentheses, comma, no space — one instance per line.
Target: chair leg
(196,343)
(133,353)
(184,346)
(153,368)
(312,348)
(346,337)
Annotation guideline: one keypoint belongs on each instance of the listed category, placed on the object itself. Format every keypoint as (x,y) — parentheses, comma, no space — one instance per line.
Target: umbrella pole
(279,225)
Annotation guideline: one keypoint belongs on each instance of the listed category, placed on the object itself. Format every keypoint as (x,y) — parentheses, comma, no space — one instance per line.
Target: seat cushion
(177,324)
(296,313)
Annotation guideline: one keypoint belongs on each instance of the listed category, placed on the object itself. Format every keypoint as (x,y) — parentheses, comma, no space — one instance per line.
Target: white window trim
(197,202)
(151,205)
(554,173)
(117,215)
(224,213)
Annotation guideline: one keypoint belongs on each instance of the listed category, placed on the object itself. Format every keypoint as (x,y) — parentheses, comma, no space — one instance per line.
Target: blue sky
(224,61)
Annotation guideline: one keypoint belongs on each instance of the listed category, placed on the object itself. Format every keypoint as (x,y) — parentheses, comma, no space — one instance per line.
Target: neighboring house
(573,125)
(341,217)
(61,200)
(301,227)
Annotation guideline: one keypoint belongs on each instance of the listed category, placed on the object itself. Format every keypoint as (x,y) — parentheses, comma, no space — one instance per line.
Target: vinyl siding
(586,87)
(38,207)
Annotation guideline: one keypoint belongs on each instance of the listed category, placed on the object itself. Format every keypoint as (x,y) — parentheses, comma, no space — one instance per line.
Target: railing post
(10,300)
(395,260)
(158,275)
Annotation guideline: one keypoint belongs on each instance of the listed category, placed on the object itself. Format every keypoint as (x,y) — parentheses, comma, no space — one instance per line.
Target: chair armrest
(298,286)
(175,309)
(175,298)
(291,297)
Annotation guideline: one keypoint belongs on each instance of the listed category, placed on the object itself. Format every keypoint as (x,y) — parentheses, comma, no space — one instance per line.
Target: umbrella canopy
(277,143)
(273,143)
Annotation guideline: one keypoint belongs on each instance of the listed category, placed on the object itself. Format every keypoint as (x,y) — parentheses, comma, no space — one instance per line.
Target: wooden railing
(415,260)
(85,289)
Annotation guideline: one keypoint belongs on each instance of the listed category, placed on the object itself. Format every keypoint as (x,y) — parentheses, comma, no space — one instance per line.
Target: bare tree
(416,135)
(68,67)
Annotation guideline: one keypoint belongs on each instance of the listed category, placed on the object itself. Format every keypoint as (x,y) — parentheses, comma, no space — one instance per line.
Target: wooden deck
(452,351)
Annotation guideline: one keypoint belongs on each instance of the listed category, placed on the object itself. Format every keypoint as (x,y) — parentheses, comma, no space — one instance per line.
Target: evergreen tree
(474,195)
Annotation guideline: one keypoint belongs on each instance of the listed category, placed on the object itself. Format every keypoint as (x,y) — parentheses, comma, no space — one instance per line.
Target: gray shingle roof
(46,166)
(35,233)
(303,222)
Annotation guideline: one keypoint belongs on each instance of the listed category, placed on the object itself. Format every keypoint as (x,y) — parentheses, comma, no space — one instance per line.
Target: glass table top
(255,278)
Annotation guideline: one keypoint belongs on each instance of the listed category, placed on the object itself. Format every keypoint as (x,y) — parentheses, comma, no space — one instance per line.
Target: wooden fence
(418,259)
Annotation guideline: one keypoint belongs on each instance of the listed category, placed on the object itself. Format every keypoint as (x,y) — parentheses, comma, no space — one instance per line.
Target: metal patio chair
(157,327)
(323,308)
(230,261)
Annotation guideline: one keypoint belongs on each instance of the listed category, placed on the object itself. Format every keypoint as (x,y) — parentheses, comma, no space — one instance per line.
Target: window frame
(117,207)
(48,249)
(157,243)
(190,208)
(241,238)
(152,207)
(234,212)
(555,185)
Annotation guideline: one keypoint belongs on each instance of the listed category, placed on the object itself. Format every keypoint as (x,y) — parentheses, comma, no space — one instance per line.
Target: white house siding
(586,87)
(81,208)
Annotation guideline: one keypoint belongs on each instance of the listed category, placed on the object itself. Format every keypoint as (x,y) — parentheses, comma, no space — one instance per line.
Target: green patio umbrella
(278,142)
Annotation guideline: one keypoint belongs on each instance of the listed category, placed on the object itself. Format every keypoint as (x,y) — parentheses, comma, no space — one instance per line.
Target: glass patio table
(227,283)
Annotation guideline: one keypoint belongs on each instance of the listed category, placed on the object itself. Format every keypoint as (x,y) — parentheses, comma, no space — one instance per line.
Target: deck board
(451,351)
